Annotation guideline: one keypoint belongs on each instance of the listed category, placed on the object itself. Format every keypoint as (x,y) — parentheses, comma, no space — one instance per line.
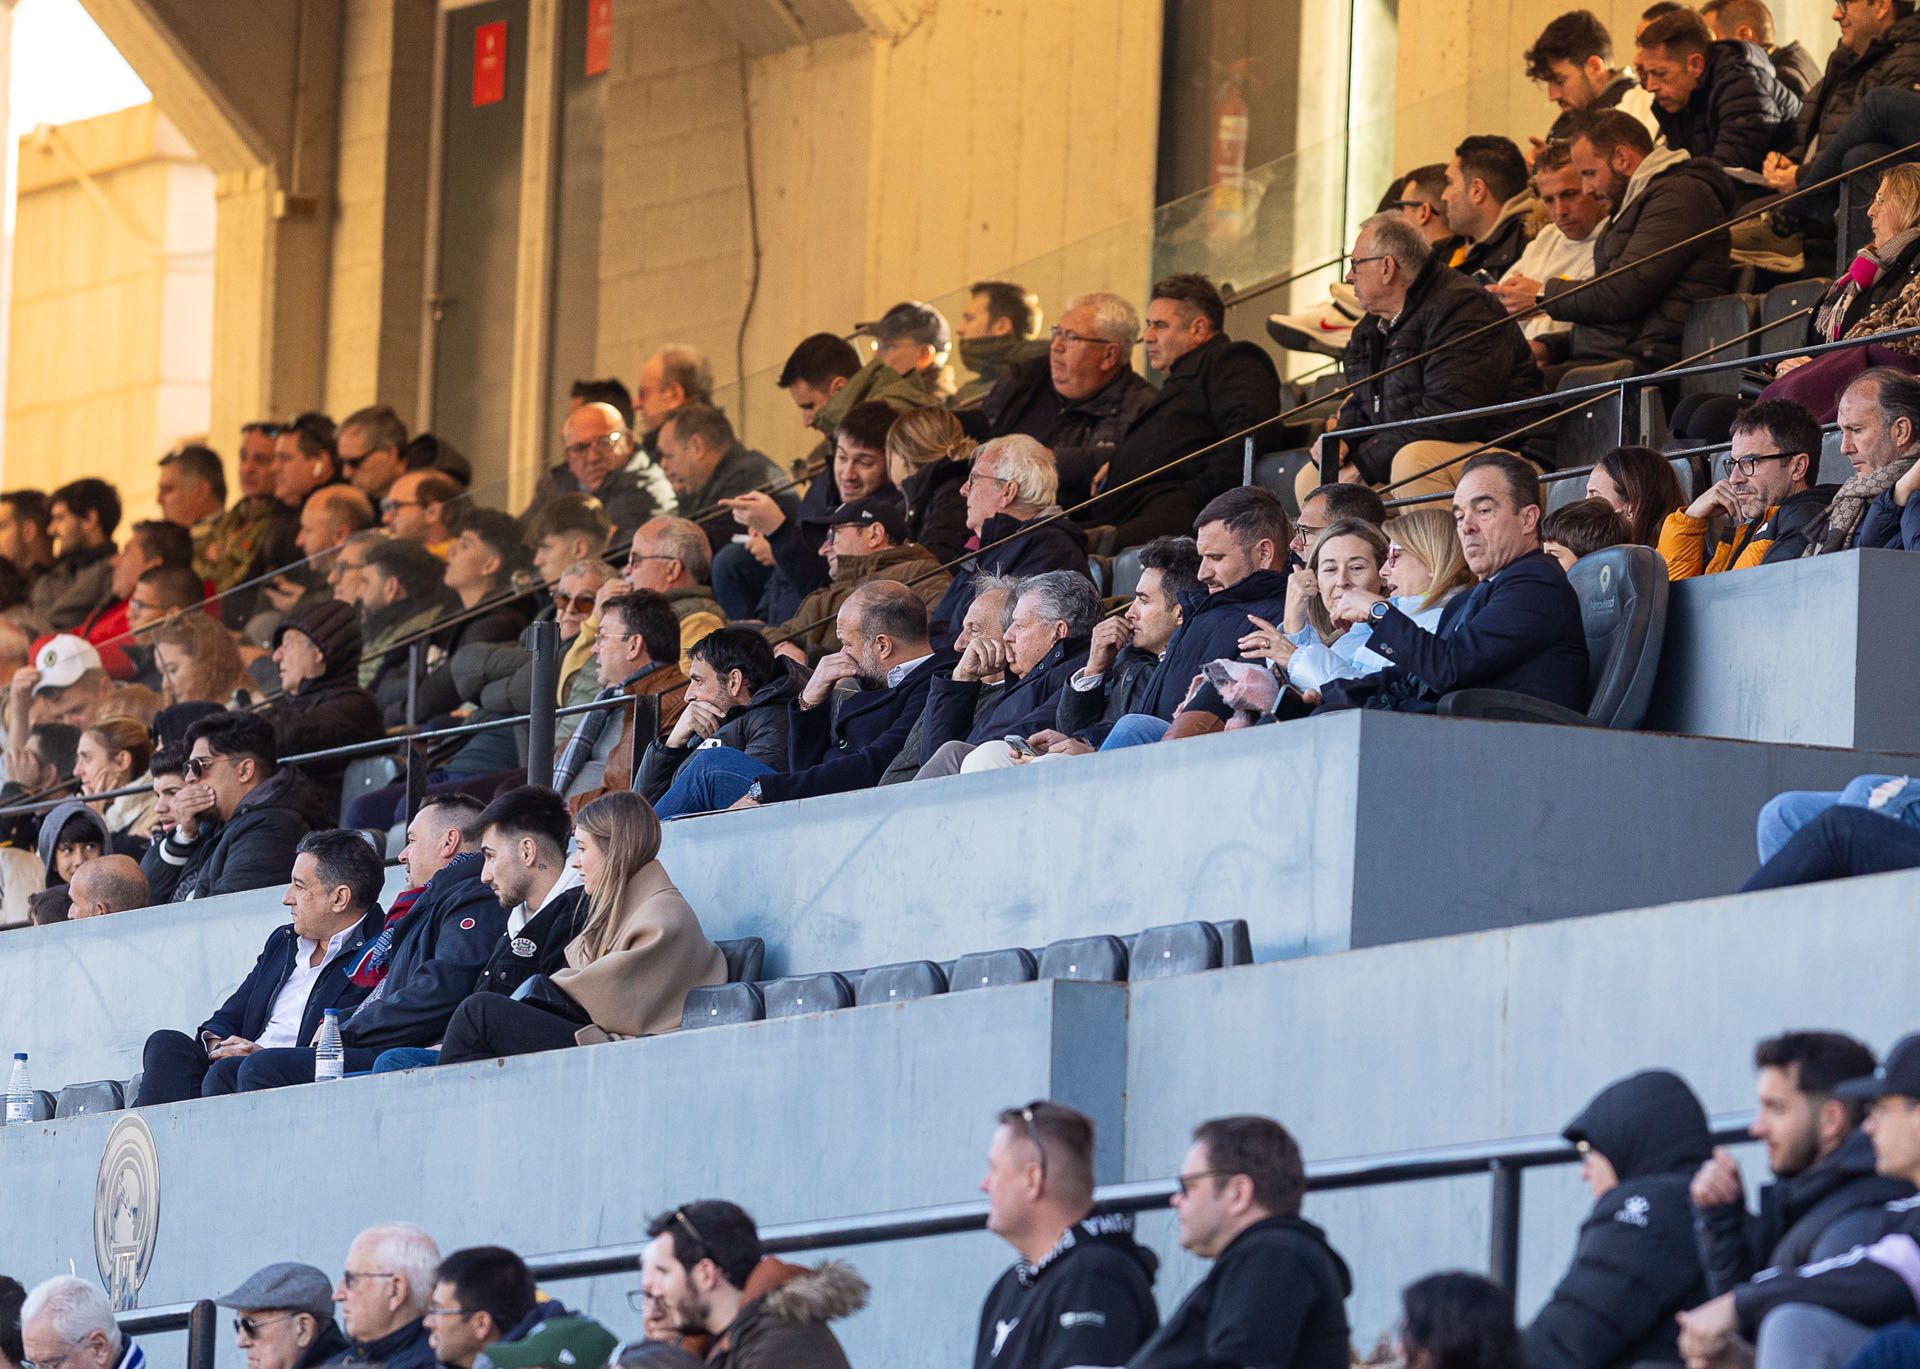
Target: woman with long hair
(929,456)
(113,754)
(1640,484)
(628,971)
(1311,646)
(1425,564)
(199,661)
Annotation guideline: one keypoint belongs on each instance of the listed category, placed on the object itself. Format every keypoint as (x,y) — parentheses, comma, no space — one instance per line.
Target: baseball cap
(289,1286)
(559,1343)
(911,318)
(1898,1073)
(62,660)
(866,510)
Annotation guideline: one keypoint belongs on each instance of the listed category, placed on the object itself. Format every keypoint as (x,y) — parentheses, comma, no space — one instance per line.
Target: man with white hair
(67,1323)
(1011,494)
(1080,398)
(384,1293)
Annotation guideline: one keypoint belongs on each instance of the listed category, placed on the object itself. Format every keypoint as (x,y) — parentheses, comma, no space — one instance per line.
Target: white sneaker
(1323,328)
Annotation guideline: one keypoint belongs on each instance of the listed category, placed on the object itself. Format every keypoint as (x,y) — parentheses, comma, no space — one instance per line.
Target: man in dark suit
(301,972)
(1518,629)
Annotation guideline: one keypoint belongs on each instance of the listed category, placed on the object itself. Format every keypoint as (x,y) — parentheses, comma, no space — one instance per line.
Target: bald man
(597,448)
(108,884)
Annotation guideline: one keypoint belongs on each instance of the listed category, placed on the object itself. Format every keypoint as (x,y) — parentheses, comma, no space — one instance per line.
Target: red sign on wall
(490,63)
(599,36)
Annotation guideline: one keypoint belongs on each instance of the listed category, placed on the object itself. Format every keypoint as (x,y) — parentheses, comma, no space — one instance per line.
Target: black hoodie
(1634,1265)
(1274,1298)
(1089,1300)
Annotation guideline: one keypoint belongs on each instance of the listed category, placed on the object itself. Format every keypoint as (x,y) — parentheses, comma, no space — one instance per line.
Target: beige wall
(110,349)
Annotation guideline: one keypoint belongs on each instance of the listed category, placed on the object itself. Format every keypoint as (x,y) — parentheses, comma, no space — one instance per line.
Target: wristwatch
(1378,611)
(753,791)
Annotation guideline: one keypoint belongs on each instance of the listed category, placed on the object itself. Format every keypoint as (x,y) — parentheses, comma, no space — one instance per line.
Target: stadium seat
(1085,957)
(1276,472)
(1785,299)
(991,969)
(1588,434)
(806,993)
(1623,604)
(896,983)
(365,775)
(1565,490)
(1100,570)
(1834,467)
(77,1100)
(1711,323)
(1236,943)
(722,1005)
(1126,574)
(133,1086)
(44,1105)
(745,959)
(1180,948)
(1100,539)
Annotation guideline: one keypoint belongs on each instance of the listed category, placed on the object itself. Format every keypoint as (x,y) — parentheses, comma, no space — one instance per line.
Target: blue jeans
(739,581)
(1136,729)
(284,1065)
(712,778)
(1841,842)
(404,1058)
(1785,814)
(1897,1347)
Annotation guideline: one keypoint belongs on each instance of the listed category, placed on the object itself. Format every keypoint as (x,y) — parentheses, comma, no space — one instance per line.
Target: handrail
(197,1319)
(1231,297)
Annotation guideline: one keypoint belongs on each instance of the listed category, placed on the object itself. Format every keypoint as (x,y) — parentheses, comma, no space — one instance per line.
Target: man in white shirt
(302,971)
(1563,248)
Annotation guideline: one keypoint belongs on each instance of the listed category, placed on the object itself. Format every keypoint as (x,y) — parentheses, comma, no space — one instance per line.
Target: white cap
(62,660)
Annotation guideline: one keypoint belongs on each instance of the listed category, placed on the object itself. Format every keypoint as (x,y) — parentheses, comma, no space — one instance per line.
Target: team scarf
(371,967)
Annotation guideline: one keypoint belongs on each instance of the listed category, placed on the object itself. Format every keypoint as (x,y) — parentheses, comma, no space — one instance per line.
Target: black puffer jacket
(444,943)
(937,510)
(1442,307)
(252,850)
(1082,433)
(756,729)
(1892,59)
(1825,1210)
(1638,315)
(1635,1264)
(1738,113)
(332,710)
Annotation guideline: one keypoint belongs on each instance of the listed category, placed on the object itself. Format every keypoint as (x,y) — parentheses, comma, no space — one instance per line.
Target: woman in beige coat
(629,969)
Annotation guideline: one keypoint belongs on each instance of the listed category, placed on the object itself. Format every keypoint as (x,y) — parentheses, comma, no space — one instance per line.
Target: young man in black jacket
(523,860)
(1082,1290)
(1274,1297)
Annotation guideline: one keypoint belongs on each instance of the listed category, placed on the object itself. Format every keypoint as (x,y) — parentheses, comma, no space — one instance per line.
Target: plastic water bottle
(19,1092)
(329,1057)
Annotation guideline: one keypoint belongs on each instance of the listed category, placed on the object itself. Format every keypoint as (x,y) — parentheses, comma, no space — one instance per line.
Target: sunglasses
(250,1326)
(575,603)
(197,766)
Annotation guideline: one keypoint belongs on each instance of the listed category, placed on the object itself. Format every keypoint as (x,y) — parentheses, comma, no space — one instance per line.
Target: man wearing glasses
(284,1318)
(1761,507)
(482,1296)
(59,1308)
(598,447)
(384,1296)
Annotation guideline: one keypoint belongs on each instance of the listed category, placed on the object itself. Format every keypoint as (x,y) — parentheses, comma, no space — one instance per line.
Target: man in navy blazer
(1519,629)
(301,972)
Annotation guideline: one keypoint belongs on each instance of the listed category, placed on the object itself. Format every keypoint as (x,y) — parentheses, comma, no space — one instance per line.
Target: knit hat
(330,625)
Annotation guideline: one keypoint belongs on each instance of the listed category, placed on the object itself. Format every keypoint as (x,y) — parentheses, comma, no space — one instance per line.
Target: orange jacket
(1683,541)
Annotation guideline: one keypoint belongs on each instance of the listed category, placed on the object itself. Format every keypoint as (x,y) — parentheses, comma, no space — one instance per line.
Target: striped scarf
(371,967)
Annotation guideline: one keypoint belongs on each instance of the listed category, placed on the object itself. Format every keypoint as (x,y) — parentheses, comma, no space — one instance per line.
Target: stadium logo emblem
(126,1211)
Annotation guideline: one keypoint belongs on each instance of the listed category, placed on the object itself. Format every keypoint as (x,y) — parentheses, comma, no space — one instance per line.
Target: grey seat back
(806,993)
(1085,957)
(77,1100)
(1710,328)
(746,957)
(1236,943)
(720,1005)
(897,983)
(1180,948)
(44,1105)
(1623,606)
(991,969)
(364,775)
(1783,300)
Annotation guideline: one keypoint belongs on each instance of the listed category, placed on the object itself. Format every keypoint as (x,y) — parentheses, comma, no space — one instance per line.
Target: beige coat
(639,986)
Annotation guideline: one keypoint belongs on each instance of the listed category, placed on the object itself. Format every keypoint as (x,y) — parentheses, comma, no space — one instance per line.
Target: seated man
(150,546)
(1489,205)
(1657,199)
(499,1309)
(1634,1265)
(1751,21)
(1418,311)
(239,817)
(1759,511)
(708,464)
(285,1318)
(108,884)
(400,593)
(568,529)
(738,693)
(1082,1290)
(637,651)
(1839,842)
(1826,1197)
(600,461)
(1045,642)
(987,616)
(1573,59)
(301,972)
(1563,248)
(1275,1292)
(698,1268)
(385,1294)
(83,515)
(1519,629)
(911,342)
(1011,509)
(1820,1314)
(999,329)
(317,650)
(1879,415)
(68,1321)
(670,556)
(420,509)
(1715,99)
(422,962)
(523,836)
(839,741)
(1325,505)
(864,540)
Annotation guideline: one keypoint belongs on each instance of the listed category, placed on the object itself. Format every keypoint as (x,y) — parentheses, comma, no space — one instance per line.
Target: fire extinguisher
(1227,217)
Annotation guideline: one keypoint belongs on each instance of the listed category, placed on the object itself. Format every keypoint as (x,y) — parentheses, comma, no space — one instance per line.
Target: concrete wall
(110,351)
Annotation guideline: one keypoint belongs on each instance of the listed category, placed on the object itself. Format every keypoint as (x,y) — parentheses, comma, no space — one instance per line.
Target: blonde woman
(199,661)
(112,754)
(929,455)
(628,971)
(1425,565)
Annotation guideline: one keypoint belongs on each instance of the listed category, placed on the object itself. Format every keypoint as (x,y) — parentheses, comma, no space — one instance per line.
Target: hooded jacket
(1089,1300)
(1026,706)
(990,359)
(50,826)
(785,1321)
(1500,246)
(1274,1298)
(1823,1211)
(1442,308)
(756,729)
(874,383)
(1738,113)
(1798,69)
(1042,542)
(332,710)
(1892,59)
(1871,1283)
(937,510)
(252,850)
(1639,315)
(443,945)
(813,629)
(1635,1264)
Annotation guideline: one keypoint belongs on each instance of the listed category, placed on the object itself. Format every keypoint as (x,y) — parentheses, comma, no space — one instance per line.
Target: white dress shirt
(290,1004)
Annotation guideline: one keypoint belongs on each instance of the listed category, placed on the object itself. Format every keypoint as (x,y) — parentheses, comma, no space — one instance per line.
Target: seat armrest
(1506,706)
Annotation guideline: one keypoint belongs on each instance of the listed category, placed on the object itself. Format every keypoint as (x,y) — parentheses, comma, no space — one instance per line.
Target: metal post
(543,640)
(202,1327)
(1246,464)
(416,750)
(1503,1225)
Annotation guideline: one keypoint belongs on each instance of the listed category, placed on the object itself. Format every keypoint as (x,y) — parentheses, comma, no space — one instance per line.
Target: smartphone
(1021,746)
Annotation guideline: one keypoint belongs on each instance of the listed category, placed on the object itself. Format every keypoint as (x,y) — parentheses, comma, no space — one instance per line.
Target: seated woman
(930,456)
(1425,566)
(629,970)
(200,662)
(112,755)
(1640,485)
(1313,648)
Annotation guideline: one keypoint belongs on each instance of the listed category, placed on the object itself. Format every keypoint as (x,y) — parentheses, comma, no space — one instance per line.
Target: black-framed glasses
(972,476)
(1361,261)
(1067,335)
(1185,1182)
(637,1300)
(635,558)
(55,1363)
(250,1326)
(1404,205)
(1745,464)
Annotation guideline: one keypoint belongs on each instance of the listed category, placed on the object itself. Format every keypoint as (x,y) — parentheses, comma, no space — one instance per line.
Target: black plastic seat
(1126,574)
(897,983)
(746,957)
(1085,957)
(1236,943)
(1711,325)
(722,1005)
(364,774)
(991,969)
(77,1100)
(1179,948)
(805,993)
(44,1105)
(1786,299)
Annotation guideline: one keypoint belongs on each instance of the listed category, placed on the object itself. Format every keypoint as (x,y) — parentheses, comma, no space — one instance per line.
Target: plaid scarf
(580,746)
(371,967)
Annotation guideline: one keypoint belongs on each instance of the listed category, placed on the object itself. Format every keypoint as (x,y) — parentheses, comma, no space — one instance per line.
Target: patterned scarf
(1849,508)
(371,967)
(1830,320)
